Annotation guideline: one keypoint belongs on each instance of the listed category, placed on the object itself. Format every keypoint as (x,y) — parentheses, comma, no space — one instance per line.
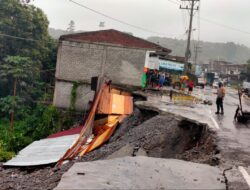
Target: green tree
(18,71)
(24,21)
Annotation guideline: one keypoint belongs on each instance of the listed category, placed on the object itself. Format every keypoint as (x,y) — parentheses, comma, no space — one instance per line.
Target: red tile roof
(113,37)
(72,131)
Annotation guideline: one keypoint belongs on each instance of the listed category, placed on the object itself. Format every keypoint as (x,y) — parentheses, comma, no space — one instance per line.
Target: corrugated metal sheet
(45,151)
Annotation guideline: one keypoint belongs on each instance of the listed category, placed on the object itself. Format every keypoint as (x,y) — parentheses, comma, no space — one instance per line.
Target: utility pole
(192,8)
(197,49)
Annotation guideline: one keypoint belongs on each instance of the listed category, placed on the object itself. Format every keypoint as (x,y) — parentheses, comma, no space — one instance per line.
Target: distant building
(117,55)
(224,67)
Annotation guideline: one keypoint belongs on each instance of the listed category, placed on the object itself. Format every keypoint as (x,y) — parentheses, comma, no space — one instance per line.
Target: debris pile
(161,136)
(110,106)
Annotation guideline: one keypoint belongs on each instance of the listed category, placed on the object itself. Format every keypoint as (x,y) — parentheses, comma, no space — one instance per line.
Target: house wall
(62,95)
(81,61)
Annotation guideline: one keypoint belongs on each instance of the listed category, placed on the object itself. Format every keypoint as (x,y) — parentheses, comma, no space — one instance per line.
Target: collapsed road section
(147,132)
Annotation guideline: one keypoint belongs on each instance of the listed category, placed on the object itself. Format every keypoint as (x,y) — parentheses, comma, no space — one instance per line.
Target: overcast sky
(221,20)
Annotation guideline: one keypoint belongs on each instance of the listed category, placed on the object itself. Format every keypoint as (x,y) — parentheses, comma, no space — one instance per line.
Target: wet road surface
(233,138)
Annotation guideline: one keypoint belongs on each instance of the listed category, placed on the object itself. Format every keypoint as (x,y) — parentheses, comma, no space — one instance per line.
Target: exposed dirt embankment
(162,136)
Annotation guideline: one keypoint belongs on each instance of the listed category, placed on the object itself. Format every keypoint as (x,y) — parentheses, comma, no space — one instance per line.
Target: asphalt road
(233,138)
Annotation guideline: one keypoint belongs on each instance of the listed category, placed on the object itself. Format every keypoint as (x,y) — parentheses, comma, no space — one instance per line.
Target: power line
(192,9)
(20,38)
(26,39)
(118,20)
(225,26)
(218,24)
(184,20)
(172,1)
(199,22)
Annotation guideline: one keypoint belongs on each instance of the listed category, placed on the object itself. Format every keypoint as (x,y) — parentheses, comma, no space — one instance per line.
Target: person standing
(190,86)
(162,79)
(154,78)
(220,97)
(149,77)
(183,85)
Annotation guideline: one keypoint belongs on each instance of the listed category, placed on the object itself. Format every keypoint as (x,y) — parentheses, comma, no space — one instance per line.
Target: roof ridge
(112,36)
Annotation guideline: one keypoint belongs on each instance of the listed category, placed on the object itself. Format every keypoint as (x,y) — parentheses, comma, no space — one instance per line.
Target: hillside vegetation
(56,33)
(229,51)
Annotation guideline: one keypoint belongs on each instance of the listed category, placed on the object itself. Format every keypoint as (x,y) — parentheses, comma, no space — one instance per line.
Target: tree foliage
(25,21)
(27,66)
(20,68)
(9,103)
(229,51)
(71,27)
(21,20)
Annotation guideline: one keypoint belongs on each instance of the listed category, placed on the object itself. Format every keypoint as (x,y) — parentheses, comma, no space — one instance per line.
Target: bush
(43,122)
(5,155)
(37,123)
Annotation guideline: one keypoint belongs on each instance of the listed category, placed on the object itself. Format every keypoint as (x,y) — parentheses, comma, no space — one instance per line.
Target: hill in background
(56,33)
(230,51)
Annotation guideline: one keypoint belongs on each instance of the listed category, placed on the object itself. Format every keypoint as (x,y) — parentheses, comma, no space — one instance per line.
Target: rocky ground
(143,133)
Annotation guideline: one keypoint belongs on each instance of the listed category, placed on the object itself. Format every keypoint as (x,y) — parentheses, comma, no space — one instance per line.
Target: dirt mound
(162,136)
(135,119)
(39,178)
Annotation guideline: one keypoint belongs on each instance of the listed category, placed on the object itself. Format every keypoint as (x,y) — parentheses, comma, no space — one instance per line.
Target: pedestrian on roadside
(190,86)
(220,97)
(144,81)
(171,95)
(162,79)
(183,85)
(154,78)
(149,77)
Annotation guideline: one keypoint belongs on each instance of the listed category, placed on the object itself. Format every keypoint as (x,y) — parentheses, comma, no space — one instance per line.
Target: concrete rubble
(141,173)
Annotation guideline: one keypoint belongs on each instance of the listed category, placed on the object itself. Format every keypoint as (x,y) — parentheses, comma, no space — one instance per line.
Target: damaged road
(162,136)
(141,173)
(144,133)
(156,129)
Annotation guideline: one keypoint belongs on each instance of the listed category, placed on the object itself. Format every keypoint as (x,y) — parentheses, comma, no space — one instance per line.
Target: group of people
(157,78)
